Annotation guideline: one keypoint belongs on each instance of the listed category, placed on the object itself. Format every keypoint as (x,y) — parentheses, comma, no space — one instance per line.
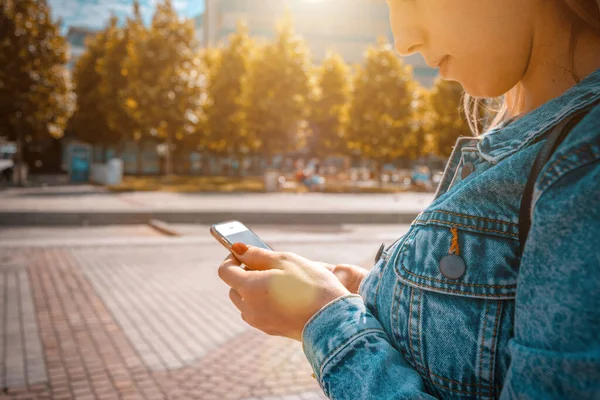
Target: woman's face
(488,42)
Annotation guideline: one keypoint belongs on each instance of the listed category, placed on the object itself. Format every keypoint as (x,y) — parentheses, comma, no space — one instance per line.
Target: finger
(231,260)
(234,276)
(237,300)
(256,258)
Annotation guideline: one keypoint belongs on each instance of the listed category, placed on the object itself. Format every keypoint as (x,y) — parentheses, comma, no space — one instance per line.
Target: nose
(408,41)
(408,33)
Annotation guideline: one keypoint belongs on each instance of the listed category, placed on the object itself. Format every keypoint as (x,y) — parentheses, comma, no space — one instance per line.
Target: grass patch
(190,184)
(225,184)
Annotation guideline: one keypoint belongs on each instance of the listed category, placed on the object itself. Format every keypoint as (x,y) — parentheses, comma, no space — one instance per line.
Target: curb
(20,218)
(162,227)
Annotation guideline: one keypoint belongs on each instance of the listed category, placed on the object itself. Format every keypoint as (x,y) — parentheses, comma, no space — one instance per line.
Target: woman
(453,310)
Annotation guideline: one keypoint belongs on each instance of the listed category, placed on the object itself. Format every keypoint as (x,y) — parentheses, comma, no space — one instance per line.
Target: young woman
(452,310)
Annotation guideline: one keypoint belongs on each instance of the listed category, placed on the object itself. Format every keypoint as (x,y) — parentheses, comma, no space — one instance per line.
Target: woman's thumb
(255,258)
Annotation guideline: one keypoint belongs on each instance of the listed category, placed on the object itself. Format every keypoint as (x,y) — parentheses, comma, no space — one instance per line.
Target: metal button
(467,169)
(452,266)
(379,252)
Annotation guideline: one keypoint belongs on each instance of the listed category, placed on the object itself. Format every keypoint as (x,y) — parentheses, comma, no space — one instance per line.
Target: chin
(488,85)
(474,89)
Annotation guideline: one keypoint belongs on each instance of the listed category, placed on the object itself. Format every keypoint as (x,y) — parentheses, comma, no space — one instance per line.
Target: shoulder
(577,158)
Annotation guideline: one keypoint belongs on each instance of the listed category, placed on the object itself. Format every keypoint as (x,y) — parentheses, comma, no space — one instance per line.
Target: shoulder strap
(554,139)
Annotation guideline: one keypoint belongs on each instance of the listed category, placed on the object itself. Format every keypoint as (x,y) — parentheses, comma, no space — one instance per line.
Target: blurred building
(347,27)
(76,38)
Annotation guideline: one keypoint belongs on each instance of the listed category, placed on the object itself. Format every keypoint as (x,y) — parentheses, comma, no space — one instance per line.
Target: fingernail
(239,248)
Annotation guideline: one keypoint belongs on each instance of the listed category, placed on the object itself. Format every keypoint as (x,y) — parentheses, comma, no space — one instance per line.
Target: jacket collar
(506,139)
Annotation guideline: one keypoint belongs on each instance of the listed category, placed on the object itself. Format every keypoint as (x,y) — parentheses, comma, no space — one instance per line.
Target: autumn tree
(36,97)
(381,107)
(225,112)
(329,108)
(90,122)
(164,86)
(278,88)
(448,121)
(415,142)
(115,78)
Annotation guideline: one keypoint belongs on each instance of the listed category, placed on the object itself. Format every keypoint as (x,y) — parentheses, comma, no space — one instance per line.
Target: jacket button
(467,170)
(452,266)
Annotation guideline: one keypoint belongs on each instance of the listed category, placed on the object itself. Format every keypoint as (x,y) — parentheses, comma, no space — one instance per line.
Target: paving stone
(141,322)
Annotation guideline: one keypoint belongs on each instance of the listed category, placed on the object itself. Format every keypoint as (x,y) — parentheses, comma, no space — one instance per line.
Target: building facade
(347,27)
(76,37)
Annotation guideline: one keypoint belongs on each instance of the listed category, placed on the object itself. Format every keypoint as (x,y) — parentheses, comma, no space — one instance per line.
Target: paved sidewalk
(89,205)
(148,321)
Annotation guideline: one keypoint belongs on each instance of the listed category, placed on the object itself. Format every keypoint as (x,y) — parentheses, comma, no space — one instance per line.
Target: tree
(89,122)
(329,108)
(278,87)
(448,121)
(226,120)
(115,77)
(165,85)
(415,142)
(381,107)
(36,97)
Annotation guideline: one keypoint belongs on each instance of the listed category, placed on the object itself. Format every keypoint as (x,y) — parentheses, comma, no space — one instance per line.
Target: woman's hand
(279,292)
(350,275)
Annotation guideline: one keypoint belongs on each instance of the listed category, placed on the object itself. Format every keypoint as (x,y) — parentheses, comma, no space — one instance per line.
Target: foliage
(36,97)
(415,143)
(225,111)
(115,77)
(329,108)
(278,88)
(381,106)
(164,86)
(447,120)
(89,122)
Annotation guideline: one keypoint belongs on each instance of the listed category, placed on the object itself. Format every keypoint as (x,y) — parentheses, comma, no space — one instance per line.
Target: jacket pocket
(454,327)
(488,248)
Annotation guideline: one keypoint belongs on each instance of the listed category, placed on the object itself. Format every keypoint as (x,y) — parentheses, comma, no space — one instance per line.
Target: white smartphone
(230,232)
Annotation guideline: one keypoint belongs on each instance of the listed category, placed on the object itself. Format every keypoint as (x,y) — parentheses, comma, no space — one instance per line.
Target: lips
(435,64)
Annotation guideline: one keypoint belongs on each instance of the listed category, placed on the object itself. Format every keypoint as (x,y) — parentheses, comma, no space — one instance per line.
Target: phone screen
(238,232)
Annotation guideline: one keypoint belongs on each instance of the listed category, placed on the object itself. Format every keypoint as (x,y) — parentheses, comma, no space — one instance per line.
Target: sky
(95,13)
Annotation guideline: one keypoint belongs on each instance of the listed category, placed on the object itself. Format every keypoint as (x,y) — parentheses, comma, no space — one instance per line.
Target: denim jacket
(452,311)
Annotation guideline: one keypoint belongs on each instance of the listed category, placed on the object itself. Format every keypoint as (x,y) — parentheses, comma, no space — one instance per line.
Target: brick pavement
(144,322)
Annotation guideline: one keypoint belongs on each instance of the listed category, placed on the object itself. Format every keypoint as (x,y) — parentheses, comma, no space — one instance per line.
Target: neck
(548,74)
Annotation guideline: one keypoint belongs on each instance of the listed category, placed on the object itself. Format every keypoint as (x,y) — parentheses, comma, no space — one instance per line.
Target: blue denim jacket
(495,325)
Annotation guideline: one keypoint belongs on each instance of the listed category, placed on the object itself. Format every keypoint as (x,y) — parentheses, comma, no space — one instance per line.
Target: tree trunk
(205,163)
(240,161)
(168,160)
(103,159)
(138,157)
(19,158)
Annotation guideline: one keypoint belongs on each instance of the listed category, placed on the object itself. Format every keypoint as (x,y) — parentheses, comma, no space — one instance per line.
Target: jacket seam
(446,223)
(477,392)
(459,383)
(459,284)
(482,347)
(410,329)
(444,290)
(494,345)
(315,315)
(471,216)
(548,180)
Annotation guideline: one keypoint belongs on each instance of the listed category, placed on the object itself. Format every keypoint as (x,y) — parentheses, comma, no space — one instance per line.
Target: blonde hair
(583,13)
